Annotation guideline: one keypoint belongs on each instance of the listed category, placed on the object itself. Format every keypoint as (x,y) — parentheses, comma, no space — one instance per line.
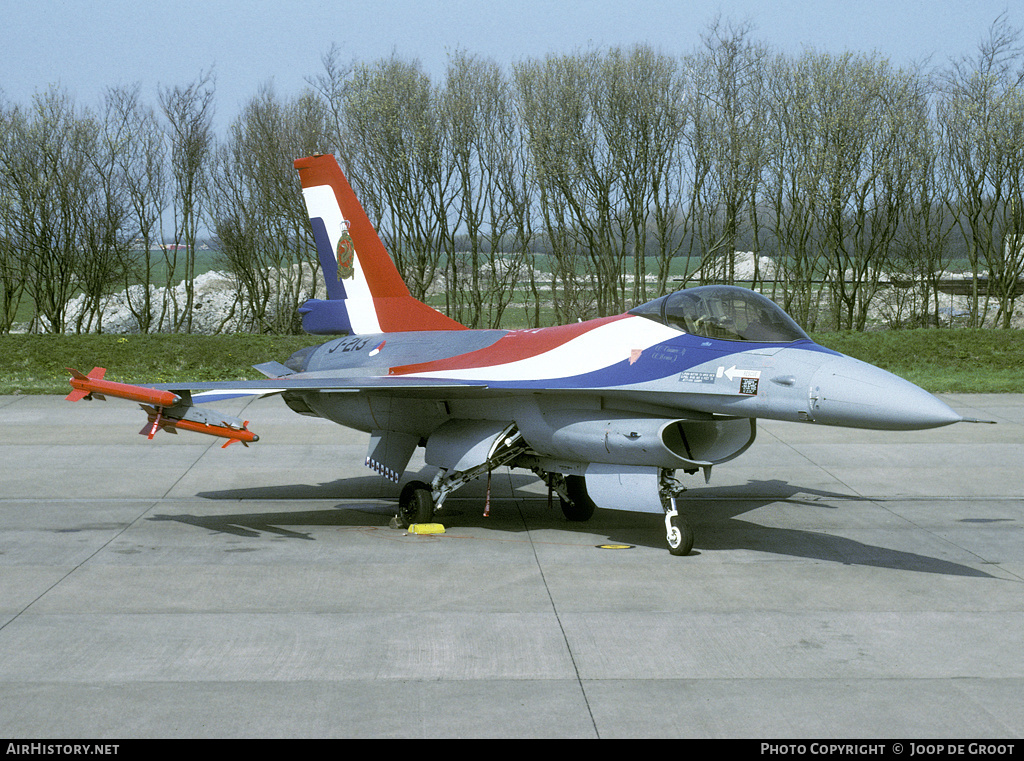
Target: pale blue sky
(87,45)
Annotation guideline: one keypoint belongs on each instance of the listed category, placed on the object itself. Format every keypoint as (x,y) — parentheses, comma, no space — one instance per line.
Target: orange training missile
(93,386)
(157,421)
(232,434)
(157,404)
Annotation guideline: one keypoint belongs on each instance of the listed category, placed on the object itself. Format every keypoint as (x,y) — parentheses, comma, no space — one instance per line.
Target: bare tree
(729,112)
(643,124)
(841,177)
(108,228)
(257,205)
(331,86)
(481,124)
(979,118)
(188,110)
(790,180)
(563,101)
(465,106)
(926,225)
(49,184)
(401,164)
(12,271)
(141,166)
(512,205)
(878,101)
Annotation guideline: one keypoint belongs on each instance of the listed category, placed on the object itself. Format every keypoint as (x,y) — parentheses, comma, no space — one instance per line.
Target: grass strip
(940,361)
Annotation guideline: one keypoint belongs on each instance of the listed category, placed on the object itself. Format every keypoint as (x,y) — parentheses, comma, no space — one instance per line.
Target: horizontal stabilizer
(273,369)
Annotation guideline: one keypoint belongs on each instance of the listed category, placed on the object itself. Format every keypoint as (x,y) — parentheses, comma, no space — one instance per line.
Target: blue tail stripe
(328,262)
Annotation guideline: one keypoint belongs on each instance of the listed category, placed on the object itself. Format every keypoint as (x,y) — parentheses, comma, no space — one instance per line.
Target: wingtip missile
(93,386)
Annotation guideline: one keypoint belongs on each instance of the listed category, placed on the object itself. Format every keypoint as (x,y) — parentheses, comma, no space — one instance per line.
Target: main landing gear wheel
(415,504)
(579,506)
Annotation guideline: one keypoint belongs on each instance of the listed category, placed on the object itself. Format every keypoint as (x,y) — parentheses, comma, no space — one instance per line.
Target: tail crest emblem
(346,256)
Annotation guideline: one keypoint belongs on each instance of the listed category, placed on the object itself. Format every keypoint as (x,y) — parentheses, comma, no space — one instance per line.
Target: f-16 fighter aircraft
(606,412)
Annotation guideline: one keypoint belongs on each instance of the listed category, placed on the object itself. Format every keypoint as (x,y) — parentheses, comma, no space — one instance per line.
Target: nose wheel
(677,531)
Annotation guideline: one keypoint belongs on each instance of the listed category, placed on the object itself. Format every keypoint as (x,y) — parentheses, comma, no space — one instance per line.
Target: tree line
(565,187)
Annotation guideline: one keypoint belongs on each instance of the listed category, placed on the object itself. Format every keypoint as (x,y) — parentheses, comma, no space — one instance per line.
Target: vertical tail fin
(365,292)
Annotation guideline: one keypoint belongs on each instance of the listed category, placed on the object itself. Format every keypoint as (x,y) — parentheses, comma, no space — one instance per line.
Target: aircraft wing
(211,390)
(171,406)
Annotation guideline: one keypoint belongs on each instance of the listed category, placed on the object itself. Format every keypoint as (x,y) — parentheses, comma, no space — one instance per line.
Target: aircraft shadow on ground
(714,514)
(713,511)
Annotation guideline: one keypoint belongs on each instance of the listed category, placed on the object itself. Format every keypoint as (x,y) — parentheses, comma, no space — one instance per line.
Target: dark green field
(957,361)
(941,361)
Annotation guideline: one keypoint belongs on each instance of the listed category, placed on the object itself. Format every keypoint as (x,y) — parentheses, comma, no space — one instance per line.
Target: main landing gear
(416,503)
(576,504)
(418,500)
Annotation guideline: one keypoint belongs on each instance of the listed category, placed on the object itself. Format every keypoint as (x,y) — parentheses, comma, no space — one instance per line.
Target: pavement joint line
(76,568)
(558,620)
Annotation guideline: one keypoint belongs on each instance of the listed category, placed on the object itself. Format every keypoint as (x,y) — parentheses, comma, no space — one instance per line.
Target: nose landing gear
(677,531)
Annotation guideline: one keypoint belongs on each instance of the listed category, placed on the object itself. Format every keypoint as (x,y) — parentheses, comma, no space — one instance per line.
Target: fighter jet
(607,413)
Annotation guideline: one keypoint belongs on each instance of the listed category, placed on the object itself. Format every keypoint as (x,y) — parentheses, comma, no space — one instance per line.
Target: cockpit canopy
(724,312)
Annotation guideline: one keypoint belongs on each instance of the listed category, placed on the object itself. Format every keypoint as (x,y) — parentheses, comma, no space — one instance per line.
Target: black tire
(680,538)
(579,507)
(415,504)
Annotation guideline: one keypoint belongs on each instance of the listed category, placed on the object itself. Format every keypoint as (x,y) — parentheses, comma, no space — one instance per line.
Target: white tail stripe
(321,202)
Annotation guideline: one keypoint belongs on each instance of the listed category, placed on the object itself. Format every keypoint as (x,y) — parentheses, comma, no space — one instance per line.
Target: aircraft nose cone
(846,391)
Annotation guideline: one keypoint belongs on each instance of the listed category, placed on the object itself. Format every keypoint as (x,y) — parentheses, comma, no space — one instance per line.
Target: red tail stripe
(403,314)
(381,275)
